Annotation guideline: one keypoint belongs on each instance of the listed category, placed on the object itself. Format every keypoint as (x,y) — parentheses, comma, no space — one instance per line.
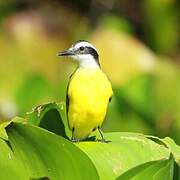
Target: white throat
(86,61)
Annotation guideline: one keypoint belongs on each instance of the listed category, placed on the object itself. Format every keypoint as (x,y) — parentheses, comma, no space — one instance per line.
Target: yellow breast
(89,92)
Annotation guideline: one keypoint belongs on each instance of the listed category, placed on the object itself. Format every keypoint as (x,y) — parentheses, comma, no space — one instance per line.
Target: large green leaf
(169,143)
(31,152)
(10,166)
(127,150)
(52,117)
(153,170)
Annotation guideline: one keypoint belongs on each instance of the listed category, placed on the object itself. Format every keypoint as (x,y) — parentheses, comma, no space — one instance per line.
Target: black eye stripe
(88,50)
(93,52)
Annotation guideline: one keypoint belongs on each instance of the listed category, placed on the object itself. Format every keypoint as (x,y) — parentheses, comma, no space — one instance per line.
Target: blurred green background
(139,47)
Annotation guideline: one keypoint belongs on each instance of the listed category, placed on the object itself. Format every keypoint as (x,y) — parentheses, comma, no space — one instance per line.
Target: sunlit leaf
(155,170)
(52,117)
(31,152)
(127,150)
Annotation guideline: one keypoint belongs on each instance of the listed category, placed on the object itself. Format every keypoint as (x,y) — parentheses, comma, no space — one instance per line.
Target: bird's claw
(75,140)
(104,141)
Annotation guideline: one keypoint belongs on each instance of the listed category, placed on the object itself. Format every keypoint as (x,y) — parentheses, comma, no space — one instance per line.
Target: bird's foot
(104,140)
(75,140)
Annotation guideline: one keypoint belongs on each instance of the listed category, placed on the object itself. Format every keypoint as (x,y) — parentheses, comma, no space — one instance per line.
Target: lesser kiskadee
(89,91)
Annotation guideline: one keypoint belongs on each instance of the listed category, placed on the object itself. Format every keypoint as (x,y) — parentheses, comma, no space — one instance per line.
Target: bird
(89,92)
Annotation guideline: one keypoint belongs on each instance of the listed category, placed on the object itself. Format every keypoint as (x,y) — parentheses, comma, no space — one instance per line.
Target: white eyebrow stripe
(84,44)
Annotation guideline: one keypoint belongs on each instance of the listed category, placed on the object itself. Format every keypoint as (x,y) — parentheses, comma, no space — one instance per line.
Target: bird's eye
(81,48)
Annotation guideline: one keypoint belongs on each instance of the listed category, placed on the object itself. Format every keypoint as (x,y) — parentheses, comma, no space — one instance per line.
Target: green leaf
(153,170)
(32,152)
(126,151)
(112,159)
(3,133)
(52,117)
(175,149)
(169,143)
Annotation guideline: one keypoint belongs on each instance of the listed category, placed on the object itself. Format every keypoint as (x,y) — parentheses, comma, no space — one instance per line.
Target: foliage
(38,147)
(146,84)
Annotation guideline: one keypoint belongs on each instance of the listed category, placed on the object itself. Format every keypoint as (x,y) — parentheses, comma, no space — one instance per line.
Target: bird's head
(84,52)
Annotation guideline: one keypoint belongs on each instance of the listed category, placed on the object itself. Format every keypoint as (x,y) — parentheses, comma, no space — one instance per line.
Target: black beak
(65,53)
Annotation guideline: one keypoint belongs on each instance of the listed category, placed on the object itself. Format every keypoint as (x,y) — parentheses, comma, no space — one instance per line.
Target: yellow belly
(89,92)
